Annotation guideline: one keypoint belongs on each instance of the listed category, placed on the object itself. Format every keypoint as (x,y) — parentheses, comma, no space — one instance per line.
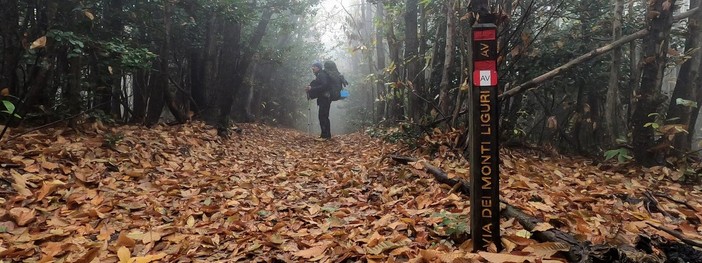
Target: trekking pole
(309,114)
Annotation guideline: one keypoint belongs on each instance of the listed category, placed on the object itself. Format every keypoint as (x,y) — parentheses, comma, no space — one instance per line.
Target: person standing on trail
(319,89)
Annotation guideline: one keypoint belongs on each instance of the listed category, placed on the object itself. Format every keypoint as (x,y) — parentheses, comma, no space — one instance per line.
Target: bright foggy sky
(331,16)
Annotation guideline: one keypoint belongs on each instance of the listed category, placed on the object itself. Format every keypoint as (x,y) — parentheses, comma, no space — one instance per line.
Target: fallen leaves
(312,252)
(22,215)
(273,194)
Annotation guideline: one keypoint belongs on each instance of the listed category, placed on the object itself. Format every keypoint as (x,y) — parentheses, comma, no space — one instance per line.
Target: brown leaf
(541,206)
(48,188)
(383,222)
(519,240)
(311,252)
(39,43)
(149,258)
(502,258)
(541,227)
(49,165)
(124,241)
(508,245)
(5,91)
(89,15)
(276,239)
(89,256)
(546,250)
(151,236)
(552,122)
(387,245)
(23,216)
(314,209)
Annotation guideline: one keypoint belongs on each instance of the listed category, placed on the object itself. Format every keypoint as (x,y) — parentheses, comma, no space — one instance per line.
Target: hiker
(319,89)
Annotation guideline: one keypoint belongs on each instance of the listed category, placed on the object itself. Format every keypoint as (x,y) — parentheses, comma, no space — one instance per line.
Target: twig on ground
(652,201)
(676,201)
(10,165)
(678,235)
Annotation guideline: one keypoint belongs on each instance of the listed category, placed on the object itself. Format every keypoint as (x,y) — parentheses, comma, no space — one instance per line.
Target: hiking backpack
(337,91)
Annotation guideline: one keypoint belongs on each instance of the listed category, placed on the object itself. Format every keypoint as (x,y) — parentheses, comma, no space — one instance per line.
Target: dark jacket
(320,85)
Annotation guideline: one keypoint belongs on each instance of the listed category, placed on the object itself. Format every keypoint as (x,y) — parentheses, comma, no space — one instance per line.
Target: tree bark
(115,28)
(635,75)
(612,103)
(378,108)
(9,31)
(393,109)
(226,77)
(159,86)
(412,60)
(685,87)
(444,99)
(465,66)
(233,74)
(139,96)
(655,57)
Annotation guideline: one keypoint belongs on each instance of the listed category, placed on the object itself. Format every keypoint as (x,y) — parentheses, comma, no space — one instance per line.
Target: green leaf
(622,158)
(686,103)
(9,106)
(610,154)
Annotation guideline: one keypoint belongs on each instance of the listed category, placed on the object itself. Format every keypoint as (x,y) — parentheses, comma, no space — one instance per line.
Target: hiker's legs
(324,124)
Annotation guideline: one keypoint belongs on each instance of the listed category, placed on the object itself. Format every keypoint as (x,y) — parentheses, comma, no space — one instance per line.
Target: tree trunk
(444,99)
(203,95)
(231,53)
(612,108)
(74,88)
(115,28)
(393,108)
(36,93)
(378,108)
(685,88)
(655,51)
(195,62)
(9,32)
(698,97)
(159,86)
(139,96)
(635,75)
(412,61)
(232,74)
(466,65)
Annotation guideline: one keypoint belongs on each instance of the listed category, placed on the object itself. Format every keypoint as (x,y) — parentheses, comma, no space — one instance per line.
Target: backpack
(337,87)
(337,81)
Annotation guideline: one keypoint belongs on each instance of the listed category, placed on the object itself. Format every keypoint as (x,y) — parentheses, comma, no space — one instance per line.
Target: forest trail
(181,194)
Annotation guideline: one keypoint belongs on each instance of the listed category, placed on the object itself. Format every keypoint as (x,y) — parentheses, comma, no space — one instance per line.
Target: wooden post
(484,118)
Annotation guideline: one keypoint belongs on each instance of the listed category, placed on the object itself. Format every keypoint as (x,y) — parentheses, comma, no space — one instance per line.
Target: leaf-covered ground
(181,194)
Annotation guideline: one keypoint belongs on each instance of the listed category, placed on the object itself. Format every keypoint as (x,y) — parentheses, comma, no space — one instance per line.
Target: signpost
(484,155)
